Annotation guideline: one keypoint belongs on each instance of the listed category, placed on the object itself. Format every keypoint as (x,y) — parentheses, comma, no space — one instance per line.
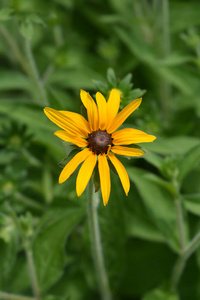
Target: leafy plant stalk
(182,259)
(93,200)
(15,49)
(29,255)
(180,223)
(165,86)
(7,296)
(35,72)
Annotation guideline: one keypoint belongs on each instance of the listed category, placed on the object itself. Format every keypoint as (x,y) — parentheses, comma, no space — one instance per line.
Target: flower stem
(182,259)
(32,273)
(15,49)
(35,72)
(29,255)
(93,200)
(7,296)
(165,86)
(180,223)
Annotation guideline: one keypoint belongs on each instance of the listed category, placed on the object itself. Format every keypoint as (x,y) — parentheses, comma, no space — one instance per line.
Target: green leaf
(18,279)
(147,264)
(112,224)
(36,19)
(26,29)
(125,83)
(155,160)
(112,80)
(188,162)
(78,78)
(48,245)
(160,294)
(7,258)
(12,80)
(165,184)
(138,222)
(192,203)
(173,145)
(160,206)
(5,13)
(188,15)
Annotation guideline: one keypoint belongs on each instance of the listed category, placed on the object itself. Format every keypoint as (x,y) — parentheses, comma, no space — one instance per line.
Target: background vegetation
(49,50)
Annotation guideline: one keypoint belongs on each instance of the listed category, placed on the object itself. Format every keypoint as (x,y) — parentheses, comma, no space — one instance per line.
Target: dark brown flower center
(99,141)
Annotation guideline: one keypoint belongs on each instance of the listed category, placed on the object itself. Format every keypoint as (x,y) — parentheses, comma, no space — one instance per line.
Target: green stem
(93,200)
(145,30)
(166,28)
(182,259)
(32,273)
(35,72)
(6,296)
(15,49)
(165,86)
(29,254)
(180,223)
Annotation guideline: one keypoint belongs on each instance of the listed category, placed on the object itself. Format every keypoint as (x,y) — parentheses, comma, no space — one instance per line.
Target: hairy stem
(182,259)
(15,49)
(93,200)
(165,86)
(35,73)
(7,296)
(180,223)
(32,273)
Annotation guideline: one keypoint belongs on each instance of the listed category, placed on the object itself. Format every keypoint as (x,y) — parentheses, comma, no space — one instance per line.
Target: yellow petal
(85,173)
(102,108)
(123,115)
(126,151)
(104,174)
(73,164)
(78,119)
(130,136)
(65,122)
(92,110)
(76,140)
(113,105)
(121,172)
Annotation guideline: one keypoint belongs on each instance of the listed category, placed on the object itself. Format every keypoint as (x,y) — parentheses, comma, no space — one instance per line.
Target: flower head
(99,139)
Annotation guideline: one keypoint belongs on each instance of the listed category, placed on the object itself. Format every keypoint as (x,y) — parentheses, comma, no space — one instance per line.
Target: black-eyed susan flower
(99,139)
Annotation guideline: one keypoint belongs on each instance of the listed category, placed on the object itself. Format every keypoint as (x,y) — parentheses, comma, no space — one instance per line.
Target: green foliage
(161,295)
(96,46)
(57,226)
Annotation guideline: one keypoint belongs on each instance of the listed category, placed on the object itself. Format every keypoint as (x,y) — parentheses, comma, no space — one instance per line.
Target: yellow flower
(99,139)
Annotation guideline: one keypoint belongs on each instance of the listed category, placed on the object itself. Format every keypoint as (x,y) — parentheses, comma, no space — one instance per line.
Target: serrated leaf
(188,162)
(48,245)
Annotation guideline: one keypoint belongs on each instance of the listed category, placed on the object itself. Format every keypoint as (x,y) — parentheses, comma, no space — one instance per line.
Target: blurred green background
(49,50)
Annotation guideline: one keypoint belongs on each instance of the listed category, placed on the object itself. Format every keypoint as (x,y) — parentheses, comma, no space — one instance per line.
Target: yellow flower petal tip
(99,140)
